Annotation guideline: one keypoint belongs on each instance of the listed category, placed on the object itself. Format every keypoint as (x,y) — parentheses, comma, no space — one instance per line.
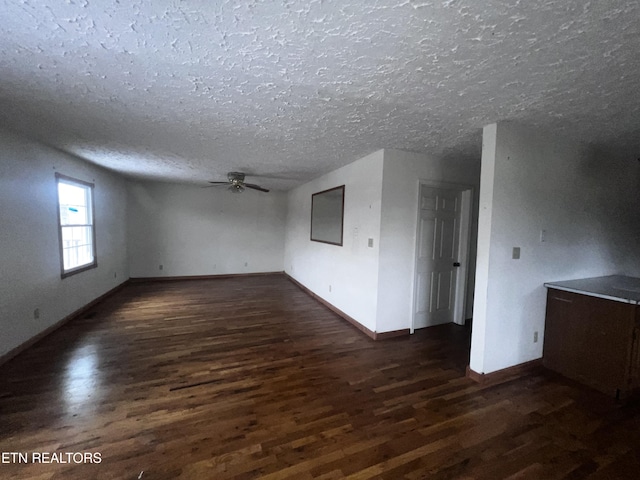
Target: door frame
(464,245)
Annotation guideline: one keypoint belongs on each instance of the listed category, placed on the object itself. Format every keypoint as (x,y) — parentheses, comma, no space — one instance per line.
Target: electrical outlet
(535,337)
(36,314)
(115,275)
(515,254)
(246,264)
(329,287)
(371,242)
(161,267)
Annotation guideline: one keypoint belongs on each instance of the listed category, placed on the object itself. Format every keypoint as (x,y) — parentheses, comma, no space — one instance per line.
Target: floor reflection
(81,379)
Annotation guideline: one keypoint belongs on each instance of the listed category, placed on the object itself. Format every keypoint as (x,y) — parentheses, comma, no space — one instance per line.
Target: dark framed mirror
(327,216)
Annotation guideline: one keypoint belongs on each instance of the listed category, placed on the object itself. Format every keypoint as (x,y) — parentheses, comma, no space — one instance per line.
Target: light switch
(516,253)
(371,242)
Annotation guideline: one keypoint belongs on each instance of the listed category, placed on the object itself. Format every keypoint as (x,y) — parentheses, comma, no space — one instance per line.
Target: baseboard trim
(340,313)
(506,374)
(36,338)
(369,333)
(200,277)
(392,334)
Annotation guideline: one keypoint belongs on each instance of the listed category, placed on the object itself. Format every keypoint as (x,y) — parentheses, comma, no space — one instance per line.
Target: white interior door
(437,256)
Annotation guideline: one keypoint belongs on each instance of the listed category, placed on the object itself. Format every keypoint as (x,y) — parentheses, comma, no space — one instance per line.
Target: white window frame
(89,187)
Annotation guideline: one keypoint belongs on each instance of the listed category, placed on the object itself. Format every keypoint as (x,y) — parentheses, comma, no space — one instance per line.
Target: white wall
(372,285)
(29,247)
(587,203)
(203,231)
(483,246)
(352,269)
(400,185)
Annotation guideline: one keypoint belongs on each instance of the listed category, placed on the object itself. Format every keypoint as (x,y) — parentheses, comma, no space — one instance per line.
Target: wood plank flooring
(250,378)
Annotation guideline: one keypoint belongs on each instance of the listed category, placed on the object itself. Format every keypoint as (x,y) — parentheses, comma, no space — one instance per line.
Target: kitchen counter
(613,287)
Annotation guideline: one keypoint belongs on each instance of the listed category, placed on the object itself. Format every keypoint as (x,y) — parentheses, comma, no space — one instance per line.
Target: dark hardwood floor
(251,378)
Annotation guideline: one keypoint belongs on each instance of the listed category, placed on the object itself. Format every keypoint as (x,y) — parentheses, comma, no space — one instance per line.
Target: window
(76,230)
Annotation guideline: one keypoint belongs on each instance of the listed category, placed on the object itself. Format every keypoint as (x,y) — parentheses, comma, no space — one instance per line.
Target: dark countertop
(613,287)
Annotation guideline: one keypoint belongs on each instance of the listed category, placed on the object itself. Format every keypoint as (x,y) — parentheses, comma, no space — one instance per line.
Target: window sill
(82,268)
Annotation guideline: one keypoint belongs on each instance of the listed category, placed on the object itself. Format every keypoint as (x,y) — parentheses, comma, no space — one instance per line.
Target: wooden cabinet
(594,341)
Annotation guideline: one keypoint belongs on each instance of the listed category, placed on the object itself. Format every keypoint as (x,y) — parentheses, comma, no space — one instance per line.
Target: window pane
(76,224)
(74,215)
(77,246)
(84,254)
(71,194)
(74,202)
(67,236)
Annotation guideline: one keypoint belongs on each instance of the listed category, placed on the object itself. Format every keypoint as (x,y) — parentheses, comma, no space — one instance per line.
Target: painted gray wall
(588,204)
(30,256)
(203,231)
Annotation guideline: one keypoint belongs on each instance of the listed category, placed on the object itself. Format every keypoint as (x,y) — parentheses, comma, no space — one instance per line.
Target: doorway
(442,254)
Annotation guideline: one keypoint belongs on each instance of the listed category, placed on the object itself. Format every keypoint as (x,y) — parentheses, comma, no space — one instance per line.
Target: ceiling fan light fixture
(236,183)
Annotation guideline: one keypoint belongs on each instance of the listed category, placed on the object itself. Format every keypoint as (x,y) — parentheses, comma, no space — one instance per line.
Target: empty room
(319,239)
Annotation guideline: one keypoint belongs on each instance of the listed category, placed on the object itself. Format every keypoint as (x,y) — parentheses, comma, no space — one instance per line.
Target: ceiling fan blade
(216,184)
(255,187)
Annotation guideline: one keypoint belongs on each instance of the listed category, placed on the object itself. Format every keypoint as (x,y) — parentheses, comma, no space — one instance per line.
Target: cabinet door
(609,327)
(634,361)
(589,339)
(561,324)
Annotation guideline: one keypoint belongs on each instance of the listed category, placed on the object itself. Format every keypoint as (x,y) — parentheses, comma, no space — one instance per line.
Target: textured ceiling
(189,90)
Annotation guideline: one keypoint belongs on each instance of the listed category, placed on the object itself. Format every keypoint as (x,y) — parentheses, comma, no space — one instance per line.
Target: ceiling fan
(236,183)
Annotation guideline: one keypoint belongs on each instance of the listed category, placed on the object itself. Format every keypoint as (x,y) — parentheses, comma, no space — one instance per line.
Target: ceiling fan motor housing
(236,177)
